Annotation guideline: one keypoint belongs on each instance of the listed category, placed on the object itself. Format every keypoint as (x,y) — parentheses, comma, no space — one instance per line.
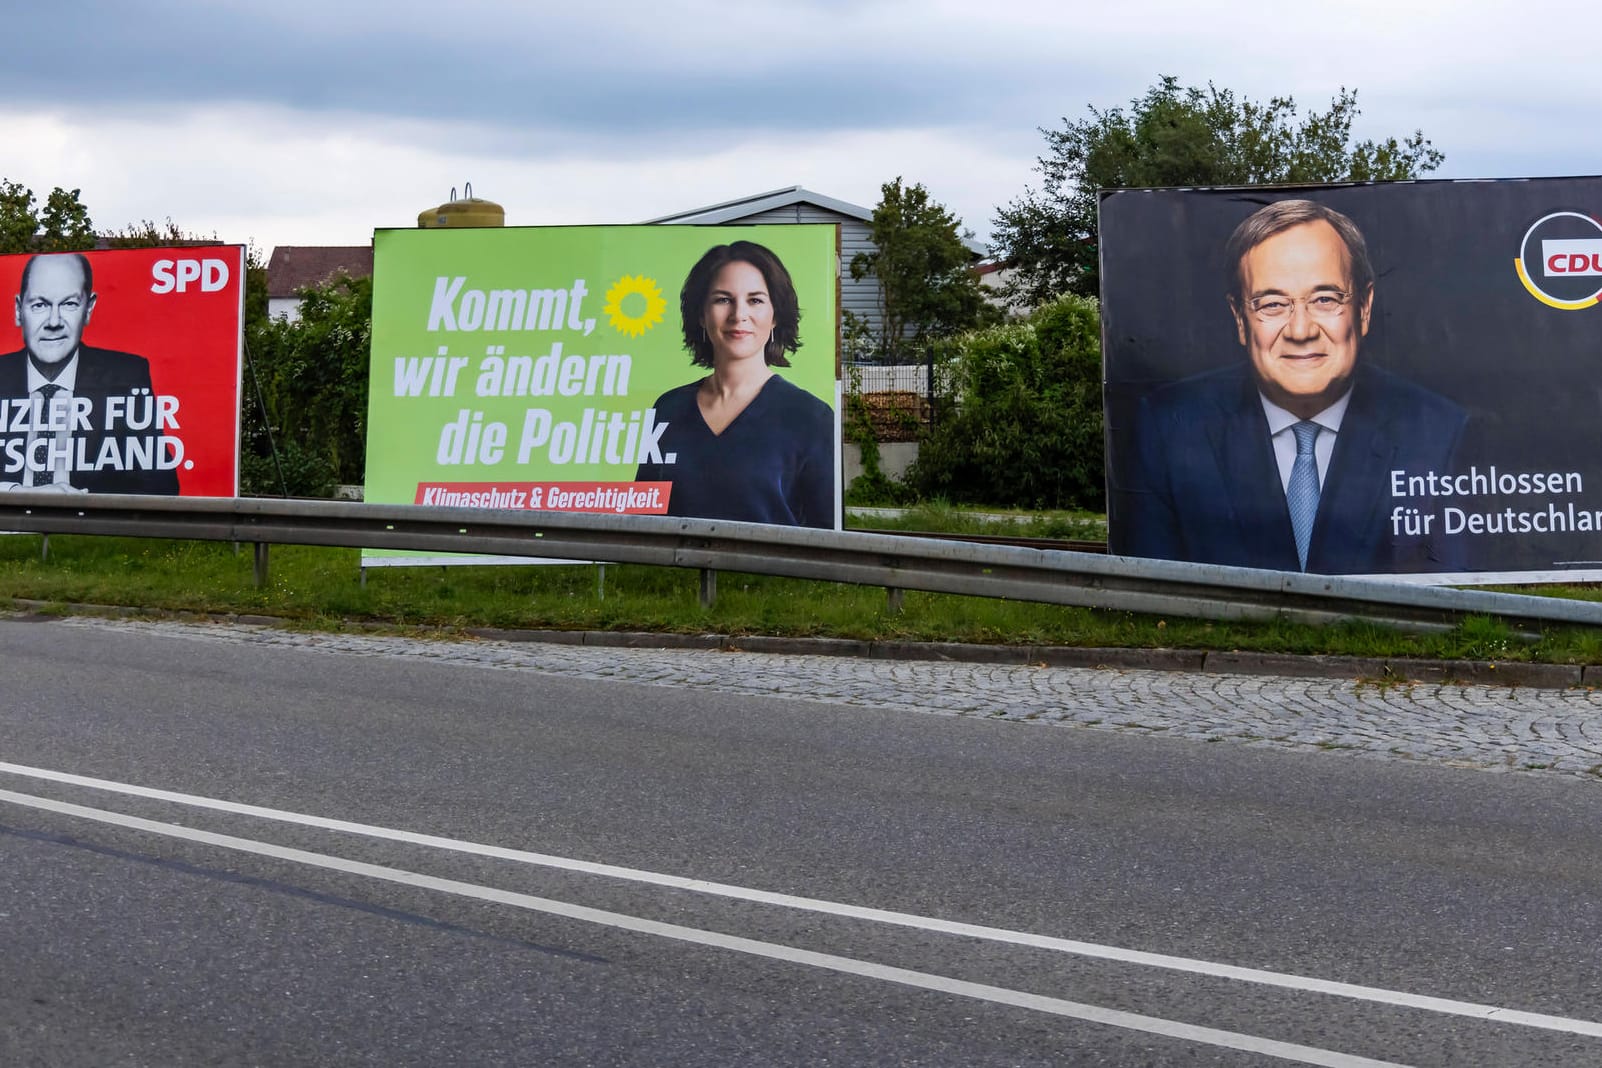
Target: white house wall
(860,298)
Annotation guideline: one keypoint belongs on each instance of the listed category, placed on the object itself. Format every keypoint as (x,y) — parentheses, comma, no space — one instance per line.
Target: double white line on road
(1001,995)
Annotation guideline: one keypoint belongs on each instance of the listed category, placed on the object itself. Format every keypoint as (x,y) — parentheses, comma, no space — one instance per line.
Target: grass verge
(321,587)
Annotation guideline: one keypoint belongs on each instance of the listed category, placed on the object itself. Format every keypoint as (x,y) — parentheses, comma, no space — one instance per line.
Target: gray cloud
(606,76)
(333,113)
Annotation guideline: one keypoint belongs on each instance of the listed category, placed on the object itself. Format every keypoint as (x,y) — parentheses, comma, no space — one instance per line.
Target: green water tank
(466,211)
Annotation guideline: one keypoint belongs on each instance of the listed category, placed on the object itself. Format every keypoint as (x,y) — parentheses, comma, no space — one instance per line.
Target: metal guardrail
(1073,545)
(1158,587)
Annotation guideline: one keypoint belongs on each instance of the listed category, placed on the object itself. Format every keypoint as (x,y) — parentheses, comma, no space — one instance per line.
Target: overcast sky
(294,122)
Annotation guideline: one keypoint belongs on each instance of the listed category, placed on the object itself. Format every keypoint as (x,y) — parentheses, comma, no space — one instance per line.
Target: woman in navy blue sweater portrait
(742,443)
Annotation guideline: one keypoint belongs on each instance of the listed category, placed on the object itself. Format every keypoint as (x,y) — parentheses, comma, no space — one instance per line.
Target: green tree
(312,374)
(1025,430)
(18,220)
(1176,136)
(64,224)
(61,226)
(927,288)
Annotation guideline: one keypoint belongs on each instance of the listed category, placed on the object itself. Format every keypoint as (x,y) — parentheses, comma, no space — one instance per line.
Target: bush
(872,486)
(1023,428)
(305,473)
(312,377)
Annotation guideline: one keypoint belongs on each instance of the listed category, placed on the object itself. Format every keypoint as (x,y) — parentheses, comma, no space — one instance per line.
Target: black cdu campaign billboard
(1400,379)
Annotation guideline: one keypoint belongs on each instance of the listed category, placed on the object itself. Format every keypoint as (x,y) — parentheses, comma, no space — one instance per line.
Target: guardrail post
(892,600)
(709,587)
(44,547)
(261,564)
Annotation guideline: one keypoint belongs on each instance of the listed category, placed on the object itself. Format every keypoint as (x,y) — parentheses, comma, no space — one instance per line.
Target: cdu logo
(1560,260)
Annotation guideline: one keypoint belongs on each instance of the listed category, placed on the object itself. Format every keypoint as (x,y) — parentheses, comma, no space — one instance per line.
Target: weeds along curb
(1378,670)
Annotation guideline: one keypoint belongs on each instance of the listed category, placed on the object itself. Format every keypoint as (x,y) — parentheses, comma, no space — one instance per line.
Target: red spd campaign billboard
(1397,379)
(120,371)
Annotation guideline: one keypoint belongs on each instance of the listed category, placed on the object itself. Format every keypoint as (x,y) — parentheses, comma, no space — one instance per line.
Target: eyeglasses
(1329,304)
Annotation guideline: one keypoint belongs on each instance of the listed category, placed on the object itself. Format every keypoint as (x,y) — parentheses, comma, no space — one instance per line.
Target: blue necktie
(1302,493)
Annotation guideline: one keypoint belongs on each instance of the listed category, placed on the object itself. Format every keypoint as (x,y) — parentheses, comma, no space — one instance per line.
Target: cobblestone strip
(1495,728)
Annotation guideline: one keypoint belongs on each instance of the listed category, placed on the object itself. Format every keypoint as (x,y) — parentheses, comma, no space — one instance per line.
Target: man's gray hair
(83,265)
(1280,216)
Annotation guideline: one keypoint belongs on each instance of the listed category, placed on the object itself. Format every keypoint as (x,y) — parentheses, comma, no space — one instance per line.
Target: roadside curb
(1378,670)
(1397,670)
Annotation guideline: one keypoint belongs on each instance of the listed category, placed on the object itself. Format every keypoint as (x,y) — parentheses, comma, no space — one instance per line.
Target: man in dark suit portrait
(1283,460)
(93,421)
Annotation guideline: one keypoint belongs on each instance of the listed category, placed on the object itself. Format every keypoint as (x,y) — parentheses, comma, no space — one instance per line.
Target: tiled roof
(295,267)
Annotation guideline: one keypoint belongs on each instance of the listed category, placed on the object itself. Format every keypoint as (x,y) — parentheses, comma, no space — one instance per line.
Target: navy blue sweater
(773,464)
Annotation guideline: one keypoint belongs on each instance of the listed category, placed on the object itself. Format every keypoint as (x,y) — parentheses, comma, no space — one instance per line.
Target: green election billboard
(666,370)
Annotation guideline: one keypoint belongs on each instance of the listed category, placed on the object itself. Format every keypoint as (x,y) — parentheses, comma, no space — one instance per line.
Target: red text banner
(621,498)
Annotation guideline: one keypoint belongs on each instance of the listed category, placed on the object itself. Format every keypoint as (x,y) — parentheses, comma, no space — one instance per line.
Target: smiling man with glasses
(1282,461)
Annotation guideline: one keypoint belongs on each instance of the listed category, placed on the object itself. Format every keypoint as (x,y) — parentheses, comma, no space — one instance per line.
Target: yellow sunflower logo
(648,308)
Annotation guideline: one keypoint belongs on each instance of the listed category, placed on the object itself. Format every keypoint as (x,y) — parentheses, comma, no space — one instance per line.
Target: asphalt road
(553,870)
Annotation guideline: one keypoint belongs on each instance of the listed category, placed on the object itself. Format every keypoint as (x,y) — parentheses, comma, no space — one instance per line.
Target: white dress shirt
(1279,427)
(59,414)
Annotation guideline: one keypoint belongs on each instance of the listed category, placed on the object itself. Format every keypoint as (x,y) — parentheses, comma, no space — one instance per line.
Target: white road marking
(848,965)
(1401,998)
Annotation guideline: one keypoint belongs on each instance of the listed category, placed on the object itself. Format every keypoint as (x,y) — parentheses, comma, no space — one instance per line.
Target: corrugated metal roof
(730,210)
(744,208)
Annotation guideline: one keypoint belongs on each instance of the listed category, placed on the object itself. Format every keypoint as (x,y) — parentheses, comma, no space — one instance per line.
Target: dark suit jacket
(773,464)
(102,373)
(1204,485)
